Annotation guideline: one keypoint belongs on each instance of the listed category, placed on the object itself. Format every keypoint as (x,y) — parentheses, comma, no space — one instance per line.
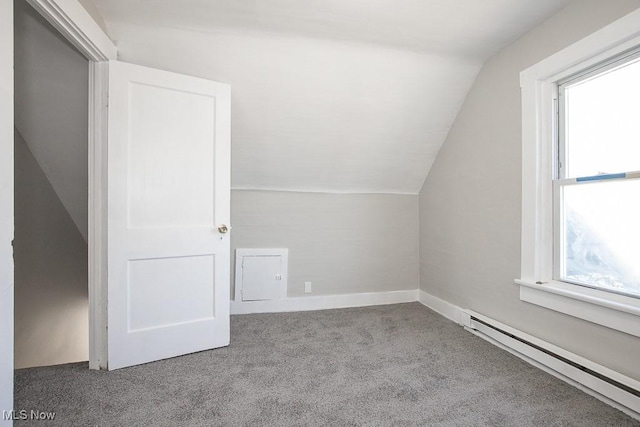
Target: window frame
(561,178)
(540,105)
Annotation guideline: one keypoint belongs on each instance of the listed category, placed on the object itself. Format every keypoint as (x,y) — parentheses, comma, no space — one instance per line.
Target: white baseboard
(450,311)
(591,385)
(323,302)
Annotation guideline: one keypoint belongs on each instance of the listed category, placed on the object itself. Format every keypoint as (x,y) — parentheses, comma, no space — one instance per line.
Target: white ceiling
(474,28)
(329,95)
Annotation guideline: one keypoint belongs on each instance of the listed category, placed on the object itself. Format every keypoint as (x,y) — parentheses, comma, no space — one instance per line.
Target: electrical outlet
(307,287)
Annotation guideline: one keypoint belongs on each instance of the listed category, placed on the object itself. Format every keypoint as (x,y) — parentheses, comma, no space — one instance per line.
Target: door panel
(169,138)
(161,165)
(155,301)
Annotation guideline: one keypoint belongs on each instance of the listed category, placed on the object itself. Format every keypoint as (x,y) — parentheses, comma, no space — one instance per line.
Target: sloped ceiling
(328,95)
(51,108)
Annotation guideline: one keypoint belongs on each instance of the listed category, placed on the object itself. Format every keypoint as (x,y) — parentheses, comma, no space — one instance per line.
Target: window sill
(614,311)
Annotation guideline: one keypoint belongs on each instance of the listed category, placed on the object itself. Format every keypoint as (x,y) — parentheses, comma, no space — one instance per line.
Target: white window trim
(539,84)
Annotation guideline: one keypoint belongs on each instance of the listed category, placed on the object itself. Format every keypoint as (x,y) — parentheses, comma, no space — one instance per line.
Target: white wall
(50,257)
(51,98)
(51,182)
(93,11)
(6,207)
(342,243)
(470,204)
(326,116)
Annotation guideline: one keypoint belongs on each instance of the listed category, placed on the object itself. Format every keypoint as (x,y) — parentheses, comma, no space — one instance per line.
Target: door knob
(223,228)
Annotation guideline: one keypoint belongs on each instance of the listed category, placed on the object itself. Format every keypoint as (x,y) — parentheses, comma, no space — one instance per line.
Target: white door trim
(6,209)
(97,226)
(79,28)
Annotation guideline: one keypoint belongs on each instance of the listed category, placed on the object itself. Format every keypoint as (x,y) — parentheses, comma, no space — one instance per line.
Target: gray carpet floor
(394,365)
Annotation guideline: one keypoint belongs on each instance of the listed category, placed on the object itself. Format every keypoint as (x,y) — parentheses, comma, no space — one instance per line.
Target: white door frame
(6,208)
(79,28)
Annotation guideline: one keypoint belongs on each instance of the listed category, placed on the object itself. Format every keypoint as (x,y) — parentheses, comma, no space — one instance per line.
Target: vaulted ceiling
(328,95)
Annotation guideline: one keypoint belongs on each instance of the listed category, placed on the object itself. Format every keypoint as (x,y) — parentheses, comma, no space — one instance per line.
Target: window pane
(601,235)
(602,123)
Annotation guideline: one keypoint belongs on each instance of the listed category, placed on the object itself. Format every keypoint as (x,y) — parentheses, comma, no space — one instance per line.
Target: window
(580,181)
(596,191)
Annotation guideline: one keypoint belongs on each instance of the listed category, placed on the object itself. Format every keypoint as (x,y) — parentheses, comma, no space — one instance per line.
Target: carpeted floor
(395,365)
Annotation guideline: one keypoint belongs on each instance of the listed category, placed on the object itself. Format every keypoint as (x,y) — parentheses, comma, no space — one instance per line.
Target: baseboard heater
(603,383)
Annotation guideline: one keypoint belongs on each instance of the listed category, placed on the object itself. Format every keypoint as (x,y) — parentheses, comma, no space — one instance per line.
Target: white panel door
(168,166)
